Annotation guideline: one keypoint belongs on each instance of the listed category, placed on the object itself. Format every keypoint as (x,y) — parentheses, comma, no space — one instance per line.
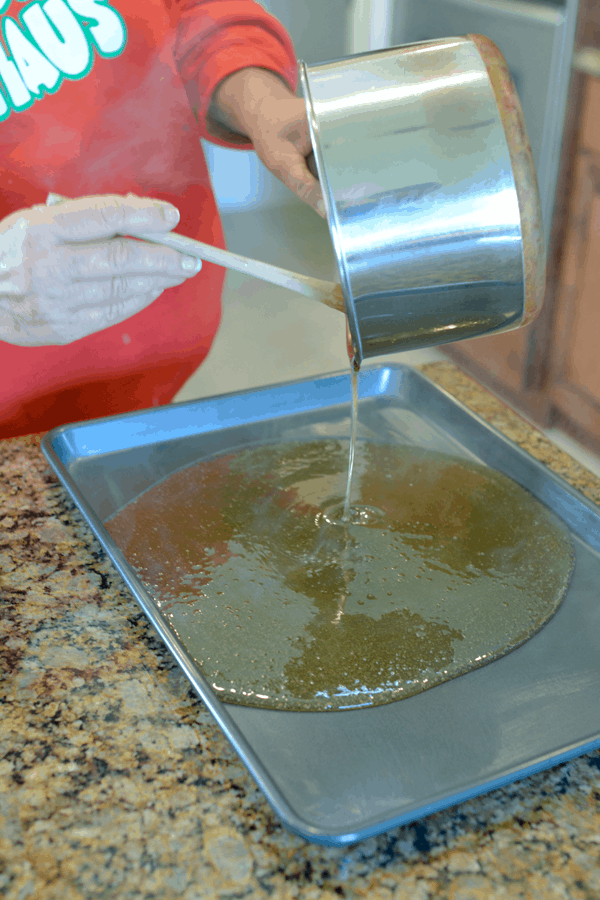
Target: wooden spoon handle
(327,292)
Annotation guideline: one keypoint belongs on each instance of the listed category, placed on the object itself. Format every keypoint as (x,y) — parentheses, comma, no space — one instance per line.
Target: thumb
(288,164)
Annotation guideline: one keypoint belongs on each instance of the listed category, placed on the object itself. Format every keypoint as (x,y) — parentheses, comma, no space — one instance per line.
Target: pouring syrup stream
(353,430)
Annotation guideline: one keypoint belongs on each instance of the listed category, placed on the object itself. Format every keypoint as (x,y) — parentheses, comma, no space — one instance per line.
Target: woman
(105,101)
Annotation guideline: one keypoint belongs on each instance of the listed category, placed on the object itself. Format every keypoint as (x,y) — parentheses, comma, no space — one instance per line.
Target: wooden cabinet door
(575,354)
(512,365)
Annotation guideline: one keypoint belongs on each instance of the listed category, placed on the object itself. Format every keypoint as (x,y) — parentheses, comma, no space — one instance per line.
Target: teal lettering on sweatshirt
(51,41)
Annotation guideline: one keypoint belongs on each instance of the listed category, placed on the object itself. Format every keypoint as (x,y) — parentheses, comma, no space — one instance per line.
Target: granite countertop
(115,782)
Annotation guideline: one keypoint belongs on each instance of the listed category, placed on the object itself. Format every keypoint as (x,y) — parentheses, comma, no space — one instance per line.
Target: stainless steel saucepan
(430,191)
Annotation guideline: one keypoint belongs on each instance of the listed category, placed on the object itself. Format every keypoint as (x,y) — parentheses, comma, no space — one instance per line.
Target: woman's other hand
(257,104)
(66,273)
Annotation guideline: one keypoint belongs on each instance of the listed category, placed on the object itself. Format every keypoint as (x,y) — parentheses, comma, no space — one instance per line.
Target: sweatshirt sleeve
(215,38)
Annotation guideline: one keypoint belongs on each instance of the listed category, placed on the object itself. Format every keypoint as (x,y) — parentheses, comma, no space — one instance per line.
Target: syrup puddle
(289,597)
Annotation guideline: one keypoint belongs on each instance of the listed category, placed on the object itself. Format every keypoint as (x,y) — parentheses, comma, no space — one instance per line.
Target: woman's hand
(257,104)
(65,273)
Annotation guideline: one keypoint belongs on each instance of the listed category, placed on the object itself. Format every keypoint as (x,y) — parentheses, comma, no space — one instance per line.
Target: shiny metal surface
(340,777)
(420,195)
(537,41)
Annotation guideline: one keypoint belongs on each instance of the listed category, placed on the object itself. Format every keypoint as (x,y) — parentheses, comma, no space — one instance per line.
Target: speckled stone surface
(115,783)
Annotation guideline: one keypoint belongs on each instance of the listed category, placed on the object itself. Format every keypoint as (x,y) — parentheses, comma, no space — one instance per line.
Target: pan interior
(444,566)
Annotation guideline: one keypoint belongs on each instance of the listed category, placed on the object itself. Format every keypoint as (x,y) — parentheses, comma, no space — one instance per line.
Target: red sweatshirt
(118,104)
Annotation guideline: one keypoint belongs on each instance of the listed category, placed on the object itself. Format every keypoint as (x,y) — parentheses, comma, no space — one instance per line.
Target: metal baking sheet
(339,777)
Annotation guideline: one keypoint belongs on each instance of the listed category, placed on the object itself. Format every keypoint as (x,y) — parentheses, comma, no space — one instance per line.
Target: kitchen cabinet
(574,358)
(506,365)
